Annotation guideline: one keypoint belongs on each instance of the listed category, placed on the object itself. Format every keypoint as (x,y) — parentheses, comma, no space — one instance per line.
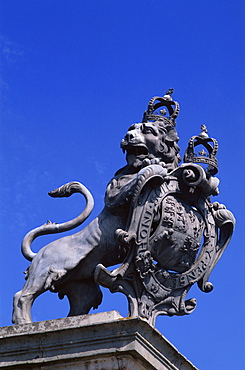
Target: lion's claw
(147,162)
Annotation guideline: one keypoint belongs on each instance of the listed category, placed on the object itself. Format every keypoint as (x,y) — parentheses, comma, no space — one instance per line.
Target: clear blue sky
(74,75)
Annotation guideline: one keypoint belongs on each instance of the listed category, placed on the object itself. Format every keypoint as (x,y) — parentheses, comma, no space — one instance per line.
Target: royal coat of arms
(175,235)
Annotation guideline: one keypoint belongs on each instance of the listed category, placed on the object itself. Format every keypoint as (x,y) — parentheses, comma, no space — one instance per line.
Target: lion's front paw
(147,162)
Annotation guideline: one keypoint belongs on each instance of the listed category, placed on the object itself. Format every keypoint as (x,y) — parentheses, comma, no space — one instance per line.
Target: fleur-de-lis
(202,152)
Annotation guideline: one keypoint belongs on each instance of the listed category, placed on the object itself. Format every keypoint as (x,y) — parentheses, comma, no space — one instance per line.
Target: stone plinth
(93,342)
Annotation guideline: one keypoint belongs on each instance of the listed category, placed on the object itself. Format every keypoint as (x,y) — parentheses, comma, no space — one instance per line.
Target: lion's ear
(172,135)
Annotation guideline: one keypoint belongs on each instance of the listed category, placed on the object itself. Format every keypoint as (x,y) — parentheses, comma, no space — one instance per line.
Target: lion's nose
(131,136)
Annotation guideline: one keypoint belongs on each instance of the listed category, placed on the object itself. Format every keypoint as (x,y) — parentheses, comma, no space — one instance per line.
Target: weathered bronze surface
(158,223)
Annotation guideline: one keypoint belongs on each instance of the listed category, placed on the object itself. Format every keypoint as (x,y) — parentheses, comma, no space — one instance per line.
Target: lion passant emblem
(158,224)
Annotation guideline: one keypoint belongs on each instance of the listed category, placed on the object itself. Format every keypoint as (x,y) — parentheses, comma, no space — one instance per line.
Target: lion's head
(149,140)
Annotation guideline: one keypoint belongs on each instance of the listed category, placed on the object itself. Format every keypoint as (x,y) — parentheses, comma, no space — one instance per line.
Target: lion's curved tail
(52,228)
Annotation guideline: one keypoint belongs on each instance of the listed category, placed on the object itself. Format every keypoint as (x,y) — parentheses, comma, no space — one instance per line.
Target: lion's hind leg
(38,280)
(23,301)
(82,296)
(16,315)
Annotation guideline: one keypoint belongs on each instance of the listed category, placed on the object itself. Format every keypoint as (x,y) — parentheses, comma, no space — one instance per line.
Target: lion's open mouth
(136,150)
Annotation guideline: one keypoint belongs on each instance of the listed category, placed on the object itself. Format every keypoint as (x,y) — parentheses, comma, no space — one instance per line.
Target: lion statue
(67,265)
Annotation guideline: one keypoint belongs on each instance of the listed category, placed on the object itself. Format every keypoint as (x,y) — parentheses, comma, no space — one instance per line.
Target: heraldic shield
(174,238)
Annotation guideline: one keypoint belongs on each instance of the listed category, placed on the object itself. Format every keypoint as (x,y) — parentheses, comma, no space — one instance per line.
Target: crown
(209,158)
(153,114)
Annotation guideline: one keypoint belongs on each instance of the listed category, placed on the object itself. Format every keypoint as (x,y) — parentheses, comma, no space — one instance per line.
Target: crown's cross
(204,133)
(168,94)
(170,91)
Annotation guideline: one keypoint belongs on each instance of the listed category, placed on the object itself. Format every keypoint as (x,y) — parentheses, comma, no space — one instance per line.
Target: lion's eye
(149,130)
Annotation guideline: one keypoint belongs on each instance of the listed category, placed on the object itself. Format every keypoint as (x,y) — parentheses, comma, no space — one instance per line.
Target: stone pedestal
(93,342)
